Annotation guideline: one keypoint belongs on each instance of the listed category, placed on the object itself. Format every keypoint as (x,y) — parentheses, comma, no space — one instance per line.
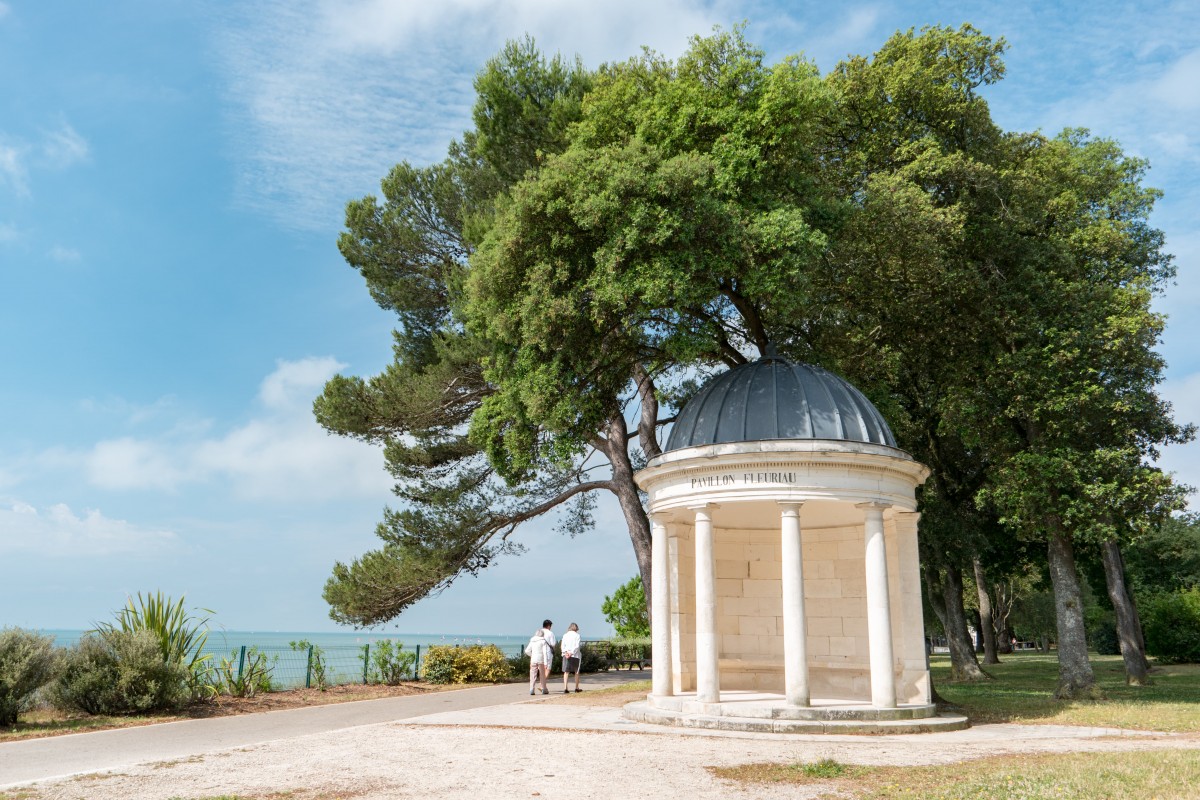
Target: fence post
(417,664)
(366,657)
(308,670)
(241,662)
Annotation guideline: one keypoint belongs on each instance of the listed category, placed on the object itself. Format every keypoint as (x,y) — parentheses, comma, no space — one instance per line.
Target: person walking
(540,657)
(549,634)
(572,655)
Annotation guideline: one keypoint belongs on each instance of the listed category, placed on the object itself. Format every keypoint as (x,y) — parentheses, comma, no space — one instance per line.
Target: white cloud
(57,150)
(329,96)
(4,9)
(64,148)
(58,532)
(281,454)
(12,169)
(8,233)
(294,381)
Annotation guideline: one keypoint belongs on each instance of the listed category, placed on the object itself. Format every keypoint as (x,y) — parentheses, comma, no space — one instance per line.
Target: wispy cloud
(64,147)
(280,454)
(326,97)
(4,10)
(64,255)
(8,232)
(56,149)
(58,532)
(13,172)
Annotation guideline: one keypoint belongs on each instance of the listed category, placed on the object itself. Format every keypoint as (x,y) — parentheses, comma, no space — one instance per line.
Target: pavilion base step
(764,716)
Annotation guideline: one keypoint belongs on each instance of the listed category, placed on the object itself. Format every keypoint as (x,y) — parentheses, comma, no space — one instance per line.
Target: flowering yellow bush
(475,664)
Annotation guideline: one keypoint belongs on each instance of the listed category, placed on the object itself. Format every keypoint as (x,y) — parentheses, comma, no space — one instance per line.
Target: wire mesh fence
(312,666)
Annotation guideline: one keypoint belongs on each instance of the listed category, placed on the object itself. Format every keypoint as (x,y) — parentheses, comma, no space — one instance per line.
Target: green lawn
(1023,691)
(1141,775)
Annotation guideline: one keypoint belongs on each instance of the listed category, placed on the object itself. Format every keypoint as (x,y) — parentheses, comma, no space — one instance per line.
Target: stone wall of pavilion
(749,610)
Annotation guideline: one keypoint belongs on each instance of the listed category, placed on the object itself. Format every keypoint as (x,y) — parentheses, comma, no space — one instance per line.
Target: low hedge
(481,663)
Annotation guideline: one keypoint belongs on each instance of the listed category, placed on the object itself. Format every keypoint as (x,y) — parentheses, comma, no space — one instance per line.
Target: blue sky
(172,179)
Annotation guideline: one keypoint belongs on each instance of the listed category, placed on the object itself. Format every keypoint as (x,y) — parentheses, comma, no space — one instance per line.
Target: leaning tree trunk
(963,664)
(1137,618)
(616,447)
(1075,676)
(987,618)
(1127,628)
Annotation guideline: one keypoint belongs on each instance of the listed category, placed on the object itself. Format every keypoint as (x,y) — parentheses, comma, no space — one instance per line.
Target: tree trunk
(987,618)
(1002,601)
(1075,676)
(1137,618)
(623,486)
(1127,632)
(963,664)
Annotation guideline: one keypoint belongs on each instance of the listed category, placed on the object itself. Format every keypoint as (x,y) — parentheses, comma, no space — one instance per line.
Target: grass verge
(1023,691)
(1136,775)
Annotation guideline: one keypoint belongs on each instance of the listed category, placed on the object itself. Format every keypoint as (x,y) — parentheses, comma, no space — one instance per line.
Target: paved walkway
(23,762)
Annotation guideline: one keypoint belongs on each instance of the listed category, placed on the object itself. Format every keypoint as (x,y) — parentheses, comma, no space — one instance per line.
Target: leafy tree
(412,248)
(1167,557)
(625,610)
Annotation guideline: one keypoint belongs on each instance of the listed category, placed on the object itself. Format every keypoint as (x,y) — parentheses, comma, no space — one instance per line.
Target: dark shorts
(570,665)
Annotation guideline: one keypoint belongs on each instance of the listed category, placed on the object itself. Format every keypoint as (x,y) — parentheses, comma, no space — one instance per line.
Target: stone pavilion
(786,587)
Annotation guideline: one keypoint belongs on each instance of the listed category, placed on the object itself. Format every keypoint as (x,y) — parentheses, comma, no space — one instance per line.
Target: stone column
(879,613)
(708,684)
(795,627)
(661,607)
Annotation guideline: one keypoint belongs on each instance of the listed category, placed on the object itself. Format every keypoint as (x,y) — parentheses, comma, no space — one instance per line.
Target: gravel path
(546,749)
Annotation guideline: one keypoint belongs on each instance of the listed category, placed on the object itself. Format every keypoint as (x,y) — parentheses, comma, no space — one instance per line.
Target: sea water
(346,654)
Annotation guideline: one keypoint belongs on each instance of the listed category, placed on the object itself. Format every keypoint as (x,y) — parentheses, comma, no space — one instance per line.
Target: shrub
(390,663)
(1171,625)
(181,637)
(518,665)
(119,672)
(317,670)
(245,677)
(592,658)
(477,663)
(27,663)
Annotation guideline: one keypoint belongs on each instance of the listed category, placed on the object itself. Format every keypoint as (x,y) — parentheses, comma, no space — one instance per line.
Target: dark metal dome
(773,398)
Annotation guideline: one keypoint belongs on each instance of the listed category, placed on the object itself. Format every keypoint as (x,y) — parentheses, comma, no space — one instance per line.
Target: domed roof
(773,398)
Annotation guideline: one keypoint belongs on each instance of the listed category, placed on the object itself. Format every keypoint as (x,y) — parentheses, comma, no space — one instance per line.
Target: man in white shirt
(549,635)
(572,653)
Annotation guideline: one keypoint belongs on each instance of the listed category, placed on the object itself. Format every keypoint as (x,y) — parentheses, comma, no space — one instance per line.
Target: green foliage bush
(28,662)
(1171,625)
(483,663)
(246,677)
(119,672)
(181,637)
(390,663)
(626,611)
(317,668)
